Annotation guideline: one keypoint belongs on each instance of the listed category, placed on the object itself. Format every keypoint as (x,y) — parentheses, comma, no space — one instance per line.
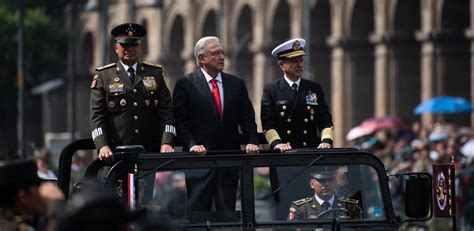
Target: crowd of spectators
(415,148)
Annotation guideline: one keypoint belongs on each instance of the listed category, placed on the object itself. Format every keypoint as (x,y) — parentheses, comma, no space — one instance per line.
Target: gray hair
(201,46)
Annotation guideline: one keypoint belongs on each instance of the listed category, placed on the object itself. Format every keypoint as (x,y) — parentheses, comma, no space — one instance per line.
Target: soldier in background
(293,113)
(26,202)
(324,184)
(130,103)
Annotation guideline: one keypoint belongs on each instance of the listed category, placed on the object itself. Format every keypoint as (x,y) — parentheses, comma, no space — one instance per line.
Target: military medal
(116,79)
(116,87)
(311,99)
(150,83)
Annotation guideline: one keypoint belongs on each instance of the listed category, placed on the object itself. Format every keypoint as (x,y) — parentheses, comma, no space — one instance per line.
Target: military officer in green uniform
(130,102)
(324,203)
(294,114)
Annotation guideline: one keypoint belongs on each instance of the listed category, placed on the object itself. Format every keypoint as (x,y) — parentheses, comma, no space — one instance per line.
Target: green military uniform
(124,113)
(309,208)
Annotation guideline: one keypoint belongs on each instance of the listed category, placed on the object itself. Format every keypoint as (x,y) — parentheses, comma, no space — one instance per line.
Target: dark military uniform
(295,118)
(286,118)
(309,208)
(124,113)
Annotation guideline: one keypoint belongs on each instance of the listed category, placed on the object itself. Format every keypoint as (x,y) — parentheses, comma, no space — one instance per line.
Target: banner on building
(443,188)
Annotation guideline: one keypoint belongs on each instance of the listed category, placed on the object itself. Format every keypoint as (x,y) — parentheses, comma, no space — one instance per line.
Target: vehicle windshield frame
(149,161)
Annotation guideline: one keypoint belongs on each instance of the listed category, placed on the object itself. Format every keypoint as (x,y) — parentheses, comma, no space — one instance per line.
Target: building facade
(372,57)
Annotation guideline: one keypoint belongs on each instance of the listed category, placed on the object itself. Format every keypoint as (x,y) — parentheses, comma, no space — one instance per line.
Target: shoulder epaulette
(152,65)
(302,201)
(105,67)
(348,200)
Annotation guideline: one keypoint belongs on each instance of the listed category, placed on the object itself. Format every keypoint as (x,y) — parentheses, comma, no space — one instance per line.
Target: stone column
(339,106)
(428,72)
(261,59)
(381,70)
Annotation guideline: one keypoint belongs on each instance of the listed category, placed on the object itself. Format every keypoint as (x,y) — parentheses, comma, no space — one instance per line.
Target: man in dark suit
(130,103)
(293,112)
(323,182)
(210,106)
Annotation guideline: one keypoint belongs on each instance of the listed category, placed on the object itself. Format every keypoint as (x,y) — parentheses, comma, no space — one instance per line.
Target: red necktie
(216,95)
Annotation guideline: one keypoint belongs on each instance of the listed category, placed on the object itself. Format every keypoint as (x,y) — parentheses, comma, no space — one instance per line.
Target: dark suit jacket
(198,120)
(295,123)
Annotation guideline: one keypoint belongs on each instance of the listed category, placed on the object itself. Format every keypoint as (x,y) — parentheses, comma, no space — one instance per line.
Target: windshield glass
(215,194)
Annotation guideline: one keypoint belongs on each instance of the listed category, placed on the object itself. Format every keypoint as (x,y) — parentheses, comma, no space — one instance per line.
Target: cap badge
(130,30)
(296,45)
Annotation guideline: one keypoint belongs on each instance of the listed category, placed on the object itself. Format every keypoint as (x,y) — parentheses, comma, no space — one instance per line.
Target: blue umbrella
(444,104)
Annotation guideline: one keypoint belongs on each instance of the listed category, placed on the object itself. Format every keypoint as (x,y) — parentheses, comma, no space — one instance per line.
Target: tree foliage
(44,58)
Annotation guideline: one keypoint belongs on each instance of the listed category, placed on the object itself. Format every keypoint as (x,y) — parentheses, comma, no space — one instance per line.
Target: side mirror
(418,194)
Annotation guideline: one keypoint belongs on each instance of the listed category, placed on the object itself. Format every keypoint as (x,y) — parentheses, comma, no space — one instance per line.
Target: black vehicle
(363,179)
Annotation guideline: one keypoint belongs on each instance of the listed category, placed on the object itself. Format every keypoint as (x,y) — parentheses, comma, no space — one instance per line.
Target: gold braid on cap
(327,133)
(272,135)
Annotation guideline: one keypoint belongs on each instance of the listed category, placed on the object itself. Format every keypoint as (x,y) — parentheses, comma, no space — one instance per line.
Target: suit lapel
(200,82)
(226,87)
(302,92)
(287,92)
(139,73)
(289,95)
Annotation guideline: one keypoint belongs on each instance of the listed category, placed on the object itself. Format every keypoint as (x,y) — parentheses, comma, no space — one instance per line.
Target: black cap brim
(128,40)
(324,175)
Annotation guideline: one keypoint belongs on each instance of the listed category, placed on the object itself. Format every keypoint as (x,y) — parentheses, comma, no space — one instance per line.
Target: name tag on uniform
(116,87)
(280,102)
(150,83)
